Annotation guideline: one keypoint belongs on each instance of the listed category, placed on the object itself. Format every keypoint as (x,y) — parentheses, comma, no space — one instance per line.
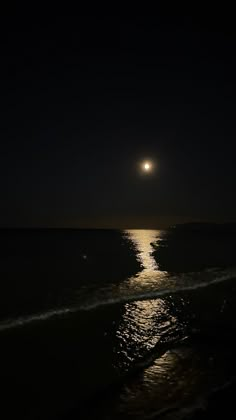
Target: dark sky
(85,99)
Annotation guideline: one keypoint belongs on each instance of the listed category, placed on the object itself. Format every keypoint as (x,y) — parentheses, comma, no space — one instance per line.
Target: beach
(96,324)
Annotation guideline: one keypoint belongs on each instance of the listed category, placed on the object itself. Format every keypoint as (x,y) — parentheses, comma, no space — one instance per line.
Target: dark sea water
(135,324)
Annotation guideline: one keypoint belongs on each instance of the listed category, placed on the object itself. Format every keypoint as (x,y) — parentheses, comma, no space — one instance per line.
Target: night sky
(84,100)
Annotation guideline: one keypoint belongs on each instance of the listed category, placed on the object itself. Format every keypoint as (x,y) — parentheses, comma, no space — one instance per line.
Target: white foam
(43,316)
(225,275)
(218,277)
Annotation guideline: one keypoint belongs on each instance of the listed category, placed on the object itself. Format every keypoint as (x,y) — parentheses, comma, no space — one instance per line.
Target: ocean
(109,324)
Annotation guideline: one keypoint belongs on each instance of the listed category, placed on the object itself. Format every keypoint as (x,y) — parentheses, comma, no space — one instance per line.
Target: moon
(147,166)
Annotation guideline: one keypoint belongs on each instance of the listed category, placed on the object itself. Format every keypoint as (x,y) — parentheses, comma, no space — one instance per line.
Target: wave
(127,296)
(43,316)
(223,276)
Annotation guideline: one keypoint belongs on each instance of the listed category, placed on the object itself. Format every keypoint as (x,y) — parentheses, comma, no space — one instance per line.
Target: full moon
(147,166)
